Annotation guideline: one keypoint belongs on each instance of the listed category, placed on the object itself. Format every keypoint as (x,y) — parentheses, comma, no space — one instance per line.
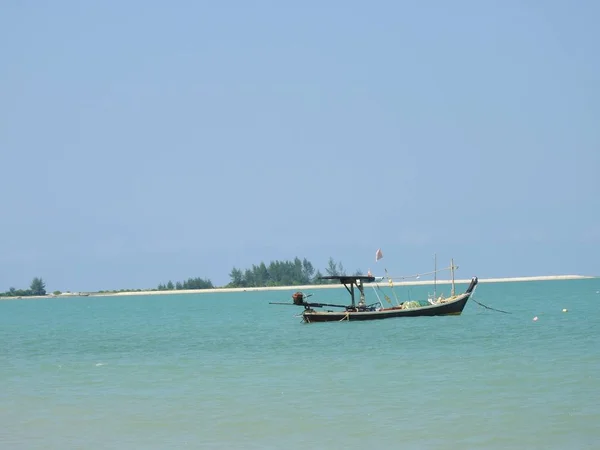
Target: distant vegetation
(283,273)
(37,287)
(191,283)
(277,273)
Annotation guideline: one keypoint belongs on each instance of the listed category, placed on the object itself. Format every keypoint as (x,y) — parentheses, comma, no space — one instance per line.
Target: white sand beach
(338,285)
(383,283)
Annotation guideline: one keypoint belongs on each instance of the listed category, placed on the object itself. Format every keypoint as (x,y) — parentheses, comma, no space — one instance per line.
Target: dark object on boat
(298,298)
(453,305)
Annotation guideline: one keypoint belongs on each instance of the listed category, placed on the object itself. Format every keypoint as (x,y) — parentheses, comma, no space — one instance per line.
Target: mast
(434,275)
(452,268)
(359,285)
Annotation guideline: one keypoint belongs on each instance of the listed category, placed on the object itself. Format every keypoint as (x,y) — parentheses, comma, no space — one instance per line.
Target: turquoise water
(228,371)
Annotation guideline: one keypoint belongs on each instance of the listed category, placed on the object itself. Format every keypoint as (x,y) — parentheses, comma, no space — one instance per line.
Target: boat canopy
(349,279)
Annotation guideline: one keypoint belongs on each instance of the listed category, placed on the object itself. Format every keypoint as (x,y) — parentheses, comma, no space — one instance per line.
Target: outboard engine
(298,298)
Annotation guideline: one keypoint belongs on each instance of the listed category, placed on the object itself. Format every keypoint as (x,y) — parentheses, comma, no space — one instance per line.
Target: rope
(346,317)
(375,290)
(488,307)
(485,306)
(387,299)
(418,275)
(391,283)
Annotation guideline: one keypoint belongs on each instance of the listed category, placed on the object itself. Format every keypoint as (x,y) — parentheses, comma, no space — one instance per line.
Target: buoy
(565,309)
(535,318)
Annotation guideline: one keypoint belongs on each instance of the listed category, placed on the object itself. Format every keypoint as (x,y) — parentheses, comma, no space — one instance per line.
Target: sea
(232,371)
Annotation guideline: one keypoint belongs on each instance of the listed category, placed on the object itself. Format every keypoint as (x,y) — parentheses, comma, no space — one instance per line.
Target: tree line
(284,273)
(190,283)
(37,287)
(277,273)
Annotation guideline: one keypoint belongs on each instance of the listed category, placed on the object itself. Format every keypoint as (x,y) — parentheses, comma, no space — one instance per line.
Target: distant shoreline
(306,287)
(339,285)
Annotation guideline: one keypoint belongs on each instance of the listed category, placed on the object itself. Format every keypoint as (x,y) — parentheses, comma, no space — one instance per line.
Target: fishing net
(411,304)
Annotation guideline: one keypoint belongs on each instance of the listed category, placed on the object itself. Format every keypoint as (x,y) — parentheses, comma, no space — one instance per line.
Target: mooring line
(488,307)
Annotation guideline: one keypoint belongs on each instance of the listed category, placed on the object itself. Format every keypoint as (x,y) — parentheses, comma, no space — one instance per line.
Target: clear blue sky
(148,141)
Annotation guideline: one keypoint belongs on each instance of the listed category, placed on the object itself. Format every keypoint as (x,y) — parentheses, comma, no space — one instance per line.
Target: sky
(148,141)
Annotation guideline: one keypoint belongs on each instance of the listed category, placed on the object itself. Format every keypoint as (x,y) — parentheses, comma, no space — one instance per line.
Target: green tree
(237,278)
(308,270)
(282,273)
(318,275)
(197,283)
(37,287)
(249,278)
(262,274)
(332,269)
(170,285)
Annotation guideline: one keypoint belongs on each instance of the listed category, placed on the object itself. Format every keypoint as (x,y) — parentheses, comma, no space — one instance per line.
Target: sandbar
(338,285)
(310,287)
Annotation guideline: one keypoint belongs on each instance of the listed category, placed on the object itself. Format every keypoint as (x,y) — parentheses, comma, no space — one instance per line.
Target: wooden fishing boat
(440,306)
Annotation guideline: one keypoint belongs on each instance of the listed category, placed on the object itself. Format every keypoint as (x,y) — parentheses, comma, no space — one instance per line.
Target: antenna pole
(359,285)
(452,266)
(434,275)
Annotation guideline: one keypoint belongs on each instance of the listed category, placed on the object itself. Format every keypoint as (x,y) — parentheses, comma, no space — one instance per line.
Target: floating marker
(535,318)
(565,309)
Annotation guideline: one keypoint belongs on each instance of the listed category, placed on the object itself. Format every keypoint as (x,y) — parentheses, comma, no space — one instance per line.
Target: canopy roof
(349,278)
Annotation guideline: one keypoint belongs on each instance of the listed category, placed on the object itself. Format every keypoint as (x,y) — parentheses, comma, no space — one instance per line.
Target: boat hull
(450,308)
